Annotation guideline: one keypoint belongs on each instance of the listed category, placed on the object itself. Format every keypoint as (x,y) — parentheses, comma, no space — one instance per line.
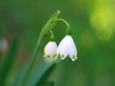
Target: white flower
(67,47)
(50,50)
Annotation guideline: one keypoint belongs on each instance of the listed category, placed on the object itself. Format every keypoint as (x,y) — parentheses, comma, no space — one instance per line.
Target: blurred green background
(93,27)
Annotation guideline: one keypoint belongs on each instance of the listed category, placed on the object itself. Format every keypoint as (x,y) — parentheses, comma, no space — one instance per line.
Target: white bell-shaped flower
(50,50)
(67,47)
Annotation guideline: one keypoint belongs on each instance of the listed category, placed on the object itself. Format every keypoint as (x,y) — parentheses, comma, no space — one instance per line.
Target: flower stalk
(68,31)
(52,35)
(49,24)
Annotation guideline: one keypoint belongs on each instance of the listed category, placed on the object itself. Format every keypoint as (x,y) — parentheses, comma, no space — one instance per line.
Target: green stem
(69,31)
(52,35)
(49,24)
(63,21)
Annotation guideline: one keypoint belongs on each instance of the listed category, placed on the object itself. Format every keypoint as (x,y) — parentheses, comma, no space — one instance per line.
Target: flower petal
(61,44)
(50,50)
(72,49)
(64,51)
(66,47)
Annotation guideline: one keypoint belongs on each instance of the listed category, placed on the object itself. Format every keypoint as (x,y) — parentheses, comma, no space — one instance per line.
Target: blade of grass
(9,61)
(36,75)
(19,76)
(42,81)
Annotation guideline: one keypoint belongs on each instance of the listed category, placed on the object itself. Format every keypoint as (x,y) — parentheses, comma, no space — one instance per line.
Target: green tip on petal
(55,55)
(73,56)
(62,56)
(48,56)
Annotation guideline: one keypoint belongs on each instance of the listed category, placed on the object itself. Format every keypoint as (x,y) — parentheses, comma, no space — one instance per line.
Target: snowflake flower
(67,47)
(50,50)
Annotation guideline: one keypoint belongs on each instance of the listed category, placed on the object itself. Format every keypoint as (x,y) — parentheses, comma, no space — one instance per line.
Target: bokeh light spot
(104,35)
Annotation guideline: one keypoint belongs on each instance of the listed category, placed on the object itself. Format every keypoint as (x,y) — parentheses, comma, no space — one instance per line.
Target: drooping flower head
(67,47)
(50,50)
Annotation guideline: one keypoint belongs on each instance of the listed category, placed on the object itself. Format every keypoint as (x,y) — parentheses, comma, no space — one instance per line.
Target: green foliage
(12,54)
(42,72)
(45,76)
(19,76)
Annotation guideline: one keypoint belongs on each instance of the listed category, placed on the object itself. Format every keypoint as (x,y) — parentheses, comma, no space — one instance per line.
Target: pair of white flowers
(65,48)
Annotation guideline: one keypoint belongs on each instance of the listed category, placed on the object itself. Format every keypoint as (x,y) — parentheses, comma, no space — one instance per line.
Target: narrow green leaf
(8,61)
(19,76)
(45,76)
(36,75)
